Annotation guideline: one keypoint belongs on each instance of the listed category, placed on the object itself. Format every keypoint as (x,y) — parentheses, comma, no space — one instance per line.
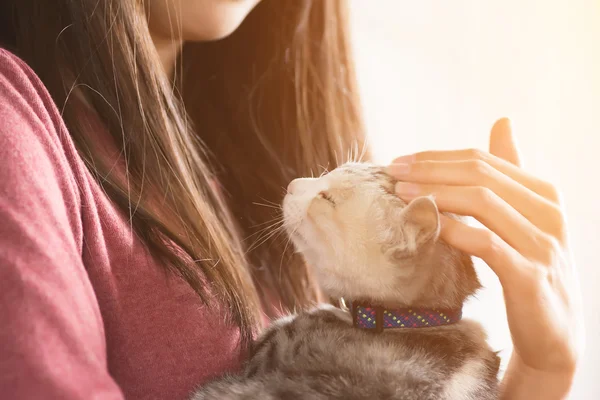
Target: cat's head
(364,242)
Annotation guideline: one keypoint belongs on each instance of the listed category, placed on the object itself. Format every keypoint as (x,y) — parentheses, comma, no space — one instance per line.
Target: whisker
(260,242)
(325,170)
(364,149)
(285,249)
(266,205)
(262,233)
(276,219)
(280,233)
(263,230)
(268,201)
(276,223)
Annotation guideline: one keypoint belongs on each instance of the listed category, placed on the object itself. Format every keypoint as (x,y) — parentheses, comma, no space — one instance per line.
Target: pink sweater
(85,313)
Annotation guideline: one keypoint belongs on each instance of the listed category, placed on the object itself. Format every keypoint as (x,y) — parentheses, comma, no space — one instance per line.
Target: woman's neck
(168,50)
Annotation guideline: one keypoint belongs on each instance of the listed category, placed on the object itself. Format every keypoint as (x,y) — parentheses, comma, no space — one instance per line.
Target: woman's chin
(198,20)
(220,22)
(209,34)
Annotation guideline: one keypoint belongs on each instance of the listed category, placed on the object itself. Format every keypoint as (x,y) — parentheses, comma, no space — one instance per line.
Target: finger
(502,142)
(544,214)
(531,182)
(504,260)
(488,208)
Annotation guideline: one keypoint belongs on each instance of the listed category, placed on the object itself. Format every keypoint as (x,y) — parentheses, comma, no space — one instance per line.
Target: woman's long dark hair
(274,101)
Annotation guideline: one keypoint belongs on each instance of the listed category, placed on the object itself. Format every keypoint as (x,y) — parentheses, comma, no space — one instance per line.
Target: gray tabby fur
(364,243)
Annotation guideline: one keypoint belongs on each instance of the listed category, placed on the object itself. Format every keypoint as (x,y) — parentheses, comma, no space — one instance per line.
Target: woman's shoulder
(37,154)
(12,65)
(27,110)
(23,96)
(18,80)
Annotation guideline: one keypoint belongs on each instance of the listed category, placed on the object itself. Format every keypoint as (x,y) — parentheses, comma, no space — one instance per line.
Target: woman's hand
(524,241)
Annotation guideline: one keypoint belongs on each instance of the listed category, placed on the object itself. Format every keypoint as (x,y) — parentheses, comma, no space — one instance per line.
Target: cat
(401,336)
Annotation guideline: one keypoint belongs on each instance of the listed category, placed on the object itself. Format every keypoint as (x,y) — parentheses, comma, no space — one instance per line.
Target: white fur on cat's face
(359,237)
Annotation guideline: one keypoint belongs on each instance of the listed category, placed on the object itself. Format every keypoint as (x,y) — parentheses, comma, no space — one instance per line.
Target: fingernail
(399,169)
(405,159)
(406,189)
(503,124)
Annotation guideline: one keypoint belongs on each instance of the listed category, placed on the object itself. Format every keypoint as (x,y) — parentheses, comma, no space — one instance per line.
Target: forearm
(523,382)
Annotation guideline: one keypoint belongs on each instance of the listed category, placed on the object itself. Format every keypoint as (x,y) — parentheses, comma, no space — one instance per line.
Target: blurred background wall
(436,74)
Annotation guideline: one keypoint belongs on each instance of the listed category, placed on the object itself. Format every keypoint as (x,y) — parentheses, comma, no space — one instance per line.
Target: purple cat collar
(367,316)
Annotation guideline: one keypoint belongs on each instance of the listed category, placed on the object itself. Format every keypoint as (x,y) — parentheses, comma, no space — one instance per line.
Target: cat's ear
(421,220)
(414,226)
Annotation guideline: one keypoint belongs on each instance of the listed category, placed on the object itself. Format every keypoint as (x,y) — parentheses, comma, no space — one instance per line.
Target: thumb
(502,142)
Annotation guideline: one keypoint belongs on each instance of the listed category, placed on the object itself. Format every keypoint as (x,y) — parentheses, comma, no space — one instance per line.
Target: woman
(132,146)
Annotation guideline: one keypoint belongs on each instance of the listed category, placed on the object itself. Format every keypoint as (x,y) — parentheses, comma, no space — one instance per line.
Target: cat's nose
(293,186)
(299,185)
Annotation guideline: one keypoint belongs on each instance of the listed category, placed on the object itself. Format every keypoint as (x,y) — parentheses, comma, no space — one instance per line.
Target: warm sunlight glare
(436,74)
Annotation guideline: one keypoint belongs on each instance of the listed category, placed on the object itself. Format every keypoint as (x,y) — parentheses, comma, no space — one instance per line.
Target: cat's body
(319,355)
(366,244)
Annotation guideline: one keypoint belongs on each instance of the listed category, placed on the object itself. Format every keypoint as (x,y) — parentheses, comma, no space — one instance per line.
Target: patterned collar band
(367,316)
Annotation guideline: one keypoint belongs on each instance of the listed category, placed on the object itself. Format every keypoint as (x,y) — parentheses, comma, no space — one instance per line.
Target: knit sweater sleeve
(52,343)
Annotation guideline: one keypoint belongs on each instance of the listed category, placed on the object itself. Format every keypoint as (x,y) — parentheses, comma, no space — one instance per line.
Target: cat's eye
(324,195)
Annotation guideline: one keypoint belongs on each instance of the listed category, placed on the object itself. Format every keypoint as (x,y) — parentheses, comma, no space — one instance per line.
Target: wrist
(524,382)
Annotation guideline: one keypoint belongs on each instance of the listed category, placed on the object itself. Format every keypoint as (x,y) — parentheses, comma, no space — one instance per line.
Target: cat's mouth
(294,232)
(294,217)
(296,237)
